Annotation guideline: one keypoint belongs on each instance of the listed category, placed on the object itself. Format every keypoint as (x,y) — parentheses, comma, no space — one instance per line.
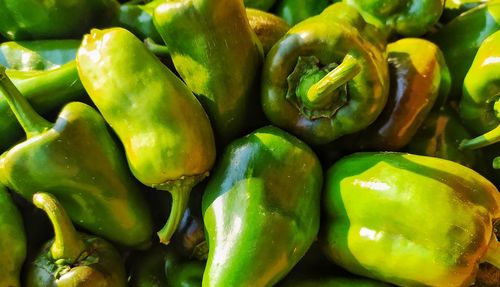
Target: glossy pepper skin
(419,77)
(138,19)
(453,8)
(327,77)
(411,18)
(169,147)
(253,211)
(263,5)
(219,57)
(268,27)
(78,161)
(47,92)
(34,19)
(443,228)
(295,11)
(12,241)
(461,38)
(37,55)
(73,259)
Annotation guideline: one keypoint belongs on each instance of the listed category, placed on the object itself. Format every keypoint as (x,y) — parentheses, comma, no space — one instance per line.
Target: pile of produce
(225,143)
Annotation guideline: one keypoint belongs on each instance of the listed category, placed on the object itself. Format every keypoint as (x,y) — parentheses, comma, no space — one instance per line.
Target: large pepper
(461,38)
(73,259)
(404,17)
(261,209)
(34,19)
(268,27)
(410,220)
(326,77)
(12,241)
(419,77)
(295,11)
(167,135)
(219,57)
(47,91)
(37,55)
(78,161)
(138,19)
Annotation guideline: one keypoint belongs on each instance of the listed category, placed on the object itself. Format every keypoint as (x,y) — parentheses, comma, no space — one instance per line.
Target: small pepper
(268,27)
(73,259)
(12,241)
(295,11)
(77,160)
(410,220)
(260,209)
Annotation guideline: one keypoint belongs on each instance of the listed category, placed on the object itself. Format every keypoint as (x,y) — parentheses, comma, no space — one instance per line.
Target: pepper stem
(32,123)
(67,244)
(158,50)
(492,255)
(486,139)
(320,94)
(180,199)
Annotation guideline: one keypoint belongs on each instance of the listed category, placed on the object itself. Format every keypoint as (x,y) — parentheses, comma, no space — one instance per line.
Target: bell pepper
(77,160)
(60,19)
(262,5)
(411,18)
(166,134)
(327,77)
(409,220)
(295,11)
(419,77)
(453,8)
(218,56)
(473,27)
(12,241)
(37,55)
(191,237)
(182,272)
(138,19)
(259,222)
(336,282)
(268,27)
(73,259)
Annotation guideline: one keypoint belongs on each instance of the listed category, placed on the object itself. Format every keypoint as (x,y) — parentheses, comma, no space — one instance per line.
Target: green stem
(486,139)
(180,198)
(492,255)
(158,50)
(32,123)
(321,92)
(67,243)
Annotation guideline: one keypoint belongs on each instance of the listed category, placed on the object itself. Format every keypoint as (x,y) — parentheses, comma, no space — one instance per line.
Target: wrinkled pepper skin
(78,161)
(442,231)
(263,5)
(37,55)
(461,38)
(419,77)
(169,147)
(138,19)
(219,57)
(268,27)
(321,105)
(73,259)
(253,209)
(57,19)
(12,241)
(295,11)
(47,91)
(410,18)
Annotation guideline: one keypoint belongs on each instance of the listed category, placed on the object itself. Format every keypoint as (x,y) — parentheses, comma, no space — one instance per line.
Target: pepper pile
(300,143)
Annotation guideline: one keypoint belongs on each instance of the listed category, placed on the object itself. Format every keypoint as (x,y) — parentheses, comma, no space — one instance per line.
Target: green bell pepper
(73,259)
(138,19)
(166,134)
(263,5)
(12,241)
(410,220)
(460,39)
(182,272)
(336,282)
(77,160)
(327,77)
(409,18)
(261,209)
(268,27)
(295,11)
(218,56)
(37,55)
(453,8)
(34,19)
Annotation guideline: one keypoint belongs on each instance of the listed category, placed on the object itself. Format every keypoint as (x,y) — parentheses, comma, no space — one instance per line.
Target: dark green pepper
(336,282)
(460,39)
(12,241)
(410,220)
(78,161)
(148,268)
(263,5)
(182,272)
(166,134)
(73,259)
(219,57)
(260,209)
(327,77)
(295,11)
(138,19)
(404,17)
(268,27)
(37,55)
(453,8)
(34,19)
